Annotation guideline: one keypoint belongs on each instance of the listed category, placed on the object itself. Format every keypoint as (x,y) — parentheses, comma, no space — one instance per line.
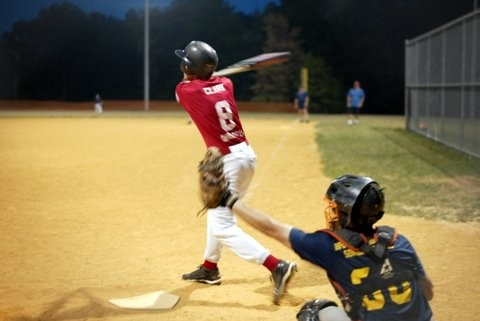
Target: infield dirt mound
(100,208)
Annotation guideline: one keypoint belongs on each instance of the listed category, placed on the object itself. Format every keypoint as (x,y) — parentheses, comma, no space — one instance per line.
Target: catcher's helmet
(359,200)
(198,58)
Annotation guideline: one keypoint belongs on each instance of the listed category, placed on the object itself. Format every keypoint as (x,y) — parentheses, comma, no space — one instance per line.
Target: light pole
(146,71)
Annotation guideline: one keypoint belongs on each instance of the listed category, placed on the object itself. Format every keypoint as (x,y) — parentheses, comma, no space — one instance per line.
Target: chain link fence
(442,84)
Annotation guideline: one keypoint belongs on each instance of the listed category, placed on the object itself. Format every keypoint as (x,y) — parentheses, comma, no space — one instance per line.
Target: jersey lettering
(232,135)
(358,274)
(225,116)
(376,300)
(400,297)
(214,89)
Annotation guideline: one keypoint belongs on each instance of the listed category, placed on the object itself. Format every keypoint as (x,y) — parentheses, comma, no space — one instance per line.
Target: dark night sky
(14,10)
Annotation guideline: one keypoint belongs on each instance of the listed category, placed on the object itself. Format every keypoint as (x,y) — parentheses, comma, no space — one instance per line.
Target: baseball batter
(211,105)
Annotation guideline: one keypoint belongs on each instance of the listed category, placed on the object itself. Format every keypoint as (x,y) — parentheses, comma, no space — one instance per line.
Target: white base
(154,301)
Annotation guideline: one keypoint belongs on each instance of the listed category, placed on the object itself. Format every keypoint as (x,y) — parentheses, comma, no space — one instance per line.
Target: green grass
(421,177)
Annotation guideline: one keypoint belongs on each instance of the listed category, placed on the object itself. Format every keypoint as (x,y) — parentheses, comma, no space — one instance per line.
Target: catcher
(211,105)
(375,271)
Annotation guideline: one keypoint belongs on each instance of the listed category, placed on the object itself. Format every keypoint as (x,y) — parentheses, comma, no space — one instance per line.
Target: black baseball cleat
(281,275)
(204,275)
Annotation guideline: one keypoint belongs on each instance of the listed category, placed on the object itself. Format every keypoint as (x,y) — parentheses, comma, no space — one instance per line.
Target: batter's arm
(263,222)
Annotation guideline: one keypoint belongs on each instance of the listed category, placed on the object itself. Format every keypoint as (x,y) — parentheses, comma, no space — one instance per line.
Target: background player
(212,107)
(375,271)
(355,101)
(300,103)
(98,104)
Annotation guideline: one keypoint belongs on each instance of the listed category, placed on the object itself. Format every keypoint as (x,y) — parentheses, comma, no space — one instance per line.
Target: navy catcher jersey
(348,268)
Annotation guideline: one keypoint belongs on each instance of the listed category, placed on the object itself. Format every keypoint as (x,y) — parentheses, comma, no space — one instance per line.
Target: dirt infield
(99,208)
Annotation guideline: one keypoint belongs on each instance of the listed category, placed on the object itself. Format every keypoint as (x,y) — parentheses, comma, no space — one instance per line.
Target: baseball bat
(254,63)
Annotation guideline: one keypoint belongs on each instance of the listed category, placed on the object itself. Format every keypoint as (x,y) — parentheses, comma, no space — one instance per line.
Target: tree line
(68,54)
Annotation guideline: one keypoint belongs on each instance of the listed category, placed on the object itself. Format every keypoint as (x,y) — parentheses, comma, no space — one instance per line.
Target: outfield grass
(421,177)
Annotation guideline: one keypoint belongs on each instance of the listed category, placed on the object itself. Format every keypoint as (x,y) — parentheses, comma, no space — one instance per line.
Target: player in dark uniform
(375,271)
(300,103)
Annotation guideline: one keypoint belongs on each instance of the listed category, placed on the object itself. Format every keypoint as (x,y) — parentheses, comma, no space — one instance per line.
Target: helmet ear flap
(370,205)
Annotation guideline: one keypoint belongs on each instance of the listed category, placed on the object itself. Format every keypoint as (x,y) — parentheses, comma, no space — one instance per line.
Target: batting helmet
(198,58)
(359,200)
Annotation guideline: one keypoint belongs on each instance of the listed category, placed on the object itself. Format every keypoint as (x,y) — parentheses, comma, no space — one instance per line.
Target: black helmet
(198,58)
(359,200)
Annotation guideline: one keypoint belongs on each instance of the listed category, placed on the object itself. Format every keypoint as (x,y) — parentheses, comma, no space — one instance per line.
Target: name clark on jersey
(214,89)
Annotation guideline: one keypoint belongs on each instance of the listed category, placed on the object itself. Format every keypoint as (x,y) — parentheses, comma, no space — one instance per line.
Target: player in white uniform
(98,104)
(211,105)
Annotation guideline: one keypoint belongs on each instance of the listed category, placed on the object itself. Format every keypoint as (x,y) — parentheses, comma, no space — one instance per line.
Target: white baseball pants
(222,229)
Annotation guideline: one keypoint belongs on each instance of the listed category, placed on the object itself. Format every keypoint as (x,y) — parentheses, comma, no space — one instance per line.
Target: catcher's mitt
(213,183)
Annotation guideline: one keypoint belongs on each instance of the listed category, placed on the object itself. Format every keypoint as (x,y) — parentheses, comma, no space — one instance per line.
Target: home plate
(154,301)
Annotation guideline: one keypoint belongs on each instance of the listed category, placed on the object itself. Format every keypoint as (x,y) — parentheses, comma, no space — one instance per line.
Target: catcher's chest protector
(385,236)
(384,270)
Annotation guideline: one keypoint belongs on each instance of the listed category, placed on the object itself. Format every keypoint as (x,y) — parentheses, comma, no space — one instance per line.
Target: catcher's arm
(214,193)
(263,222)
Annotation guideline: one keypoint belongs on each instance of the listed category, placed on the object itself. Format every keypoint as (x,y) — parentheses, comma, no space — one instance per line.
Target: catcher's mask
(353,201)
(198,58)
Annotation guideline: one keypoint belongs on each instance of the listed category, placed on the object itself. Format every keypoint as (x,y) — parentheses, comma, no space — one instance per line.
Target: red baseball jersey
(212,107)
